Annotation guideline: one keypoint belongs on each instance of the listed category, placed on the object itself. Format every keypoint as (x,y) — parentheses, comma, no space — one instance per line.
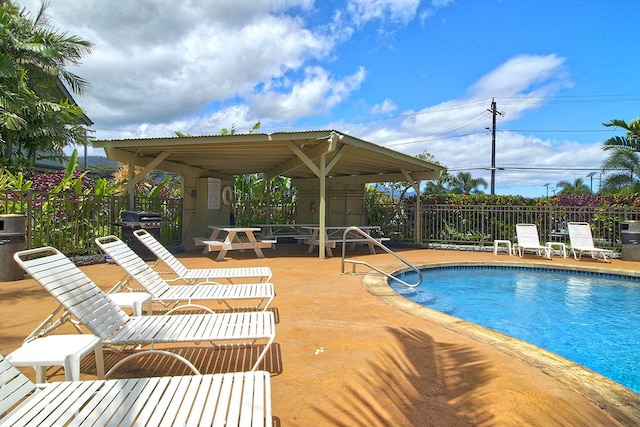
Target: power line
(569,99)
(415,141)
(510,100)
(534,168)
(560,131)
(505,100)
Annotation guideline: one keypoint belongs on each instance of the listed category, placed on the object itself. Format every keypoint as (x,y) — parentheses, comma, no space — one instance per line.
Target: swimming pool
(590,318)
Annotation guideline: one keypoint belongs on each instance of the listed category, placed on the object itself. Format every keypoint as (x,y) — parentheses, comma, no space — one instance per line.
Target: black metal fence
(70,222)
(480,225)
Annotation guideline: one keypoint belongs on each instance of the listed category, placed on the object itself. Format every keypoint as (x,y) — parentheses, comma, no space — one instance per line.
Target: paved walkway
(354,355)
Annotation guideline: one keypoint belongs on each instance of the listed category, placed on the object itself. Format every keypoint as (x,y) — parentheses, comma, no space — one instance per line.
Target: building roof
(296,155)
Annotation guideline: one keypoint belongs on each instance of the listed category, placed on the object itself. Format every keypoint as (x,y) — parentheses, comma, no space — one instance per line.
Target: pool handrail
(379,244)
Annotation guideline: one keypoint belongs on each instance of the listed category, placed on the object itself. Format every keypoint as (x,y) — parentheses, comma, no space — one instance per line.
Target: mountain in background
(99,160)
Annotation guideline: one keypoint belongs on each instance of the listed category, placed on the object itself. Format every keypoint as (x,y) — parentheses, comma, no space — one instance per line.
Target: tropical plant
(624,159)
(36,118)
(252,190)
(632,138)
(380,206)
(14,187)
(68,210)
(464,183)
(444,185)
(157,184)
(232,131)
(17,182)
(576,187)
(625,164)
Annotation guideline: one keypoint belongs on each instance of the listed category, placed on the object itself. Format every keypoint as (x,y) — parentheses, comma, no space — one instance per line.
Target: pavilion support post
(322,207)
(417,218)
(130,189)
(269,192)
(417,221)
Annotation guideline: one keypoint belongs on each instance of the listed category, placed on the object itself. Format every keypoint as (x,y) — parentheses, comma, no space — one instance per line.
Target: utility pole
(494,112)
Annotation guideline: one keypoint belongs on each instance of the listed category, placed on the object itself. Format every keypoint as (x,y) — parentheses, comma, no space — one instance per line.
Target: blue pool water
(592,319)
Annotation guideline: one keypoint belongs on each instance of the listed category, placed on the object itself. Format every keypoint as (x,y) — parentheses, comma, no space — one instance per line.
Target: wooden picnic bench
(284,231)
(233,241)
(334,235)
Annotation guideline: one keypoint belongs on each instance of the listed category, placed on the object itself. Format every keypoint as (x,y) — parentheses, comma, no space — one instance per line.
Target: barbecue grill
(134,220)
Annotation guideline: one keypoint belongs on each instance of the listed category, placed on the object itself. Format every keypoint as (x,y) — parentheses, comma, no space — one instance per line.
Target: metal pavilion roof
(292,154)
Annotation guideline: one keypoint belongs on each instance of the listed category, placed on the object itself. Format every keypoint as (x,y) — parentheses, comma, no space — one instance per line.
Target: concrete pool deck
(350,352)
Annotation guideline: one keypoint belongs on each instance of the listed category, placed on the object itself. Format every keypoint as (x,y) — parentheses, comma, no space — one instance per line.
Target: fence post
(29,197)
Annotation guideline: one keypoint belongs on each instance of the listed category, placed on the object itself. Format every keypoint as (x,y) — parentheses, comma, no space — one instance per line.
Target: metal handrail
(383,247)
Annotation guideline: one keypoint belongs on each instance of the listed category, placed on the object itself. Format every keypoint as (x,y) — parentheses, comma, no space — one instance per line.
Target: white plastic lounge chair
(528,240)
(85,301)
(161,291)
(581,240)
(194,275)
(242,398)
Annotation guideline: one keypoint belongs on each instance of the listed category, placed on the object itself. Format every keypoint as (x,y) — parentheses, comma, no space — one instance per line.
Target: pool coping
(619,401)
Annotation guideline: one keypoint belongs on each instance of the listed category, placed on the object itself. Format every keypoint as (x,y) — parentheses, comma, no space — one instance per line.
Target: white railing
(379,244)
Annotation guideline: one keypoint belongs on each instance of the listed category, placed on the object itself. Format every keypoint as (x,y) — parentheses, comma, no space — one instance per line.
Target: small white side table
(63,350)
(560,245)
(496,243)
(133,300)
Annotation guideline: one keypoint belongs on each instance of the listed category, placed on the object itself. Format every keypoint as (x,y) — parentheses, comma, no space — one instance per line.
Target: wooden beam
(128,157)
(343,149)
(149,167)
(305,159)
(302,158)
(365,179)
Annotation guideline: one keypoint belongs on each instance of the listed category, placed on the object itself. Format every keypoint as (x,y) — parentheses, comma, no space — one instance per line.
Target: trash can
(630,237)
(12,240)
(133,220)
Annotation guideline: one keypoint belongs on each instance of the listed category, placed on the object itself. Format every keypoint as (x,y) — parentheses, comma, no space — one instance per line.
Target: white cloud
(239,116)
(428,12)
(314,95)
(519,83)
(387,106)
(394,11)
(516,154)
(159,67)
(525,79)
(156,61)
(456,132)
(441,3)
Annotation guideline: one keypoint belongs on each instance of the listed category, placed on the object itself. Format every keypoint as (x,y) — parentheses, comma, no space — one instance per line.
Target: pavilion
(329,168)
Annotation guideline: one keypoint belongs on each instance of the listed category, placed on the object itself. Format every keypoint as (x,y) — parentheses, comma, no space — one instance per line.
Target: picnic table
(334,235)
(237,238)
(293,231)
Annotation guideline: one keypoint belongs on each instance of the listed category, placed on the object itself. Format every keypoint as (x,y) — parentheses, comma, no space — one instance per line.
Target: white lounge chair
(581,240)
(161,291)
(194,275)
(242,398)
(528,240)
(85,301)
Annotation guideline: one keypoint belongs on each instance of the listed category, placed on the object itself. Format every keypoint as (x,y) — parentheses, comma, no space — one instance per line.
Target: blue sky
(411,75)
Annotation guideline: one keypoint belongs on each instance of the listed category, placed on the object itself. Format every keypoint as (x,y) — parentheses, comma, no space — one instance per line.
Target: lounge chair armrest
(188,306)
(210,282)
(147,352)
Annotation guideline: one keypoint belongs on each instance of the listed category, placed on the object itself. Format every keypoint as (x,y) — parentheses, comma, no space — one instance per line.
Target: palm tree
(465,184)
(626,164)
(34,114)
(624,158)
(442,186)
(436,187)
(576,187)
(632,139)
